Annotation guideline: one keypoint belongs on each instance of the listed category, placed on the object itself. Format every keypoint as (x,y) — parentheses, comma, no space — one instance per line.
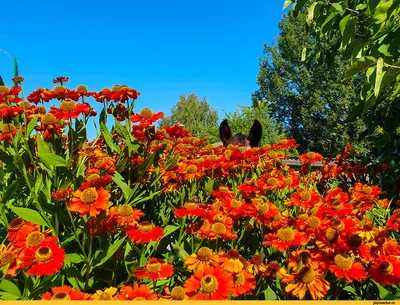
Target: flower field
(145,213)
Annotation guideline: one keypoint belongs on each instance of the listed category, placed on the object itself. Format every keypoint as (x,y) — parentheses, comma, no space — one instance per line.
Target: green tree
(242,119)
(367,33)
(196,115)
(310,101)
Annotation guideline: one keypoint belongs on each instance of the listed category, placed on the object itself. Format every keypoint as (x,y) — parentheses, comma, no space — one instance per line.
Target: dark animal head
(252,140)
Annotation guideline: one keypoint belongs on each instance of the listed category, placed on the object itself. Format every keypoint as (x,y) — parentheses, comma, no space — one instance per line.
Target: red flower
(62,194)
(156,269)
(47,258)
(70,110)
(19,229)
(190,209)
(305,198)
(386,270)
(60,79)
(65,293)
(209,284)
(285,238)
(344,267)
(145,232)
(146,116)
(136,292)
(310,157)
(89,201)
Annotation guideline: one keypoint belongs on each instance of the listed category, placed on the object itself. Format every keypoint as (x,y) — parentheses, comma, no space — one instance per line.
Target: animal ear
(255,134)
(225,132)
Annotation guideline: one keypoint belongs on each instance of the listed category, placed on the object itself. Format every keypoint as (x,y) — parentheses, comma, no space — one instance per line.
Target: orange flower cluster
(30,247)
(149,186)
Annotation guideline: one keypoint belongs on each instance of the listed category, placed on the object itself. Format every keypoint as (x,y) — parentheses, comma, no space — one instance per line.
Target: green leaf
(31,125)
(383,293)
(338,7)
(269,294)
(381,10)
(52,159)
(304,54)
(74,258)
(8,296)
(361,64)
(180,252)
(325,26)
(311,12)
(299,5)
(110,252)
(29,215)
(342,23)
(379,76)
(171,162)
(119,180)
(122,131)
(42,146)
(17,138)
(10,287)
(108,138)
(384,49)
(169,229)
(287,3)
(143,167)
(360,7)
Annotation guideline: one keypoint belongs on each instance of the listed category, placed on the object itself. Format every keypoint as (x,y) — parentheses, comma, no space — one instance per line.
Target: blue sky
(160,48)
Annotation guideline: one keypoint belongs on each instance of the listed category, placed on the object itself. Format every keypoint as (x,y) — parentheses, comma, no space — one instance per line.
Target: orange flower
(285,238)
(209,284)
(386,270)
(384,246)
(190,208)
(38,95)
(313,258)
(146,116)
(62,194)
(244,282)
(19,229)
(107,294)
(136,292)
(393,223)
(306,280)
(310,157)
(47,258)
(305,198)
(256,265)
(70,110)
(145,232)
(232,261)
(125,215)
(90,201)
(156,269)
(203,258)
(32,239)
(177,293)
(345,267)
(8,132)
(9,255)
(65,293)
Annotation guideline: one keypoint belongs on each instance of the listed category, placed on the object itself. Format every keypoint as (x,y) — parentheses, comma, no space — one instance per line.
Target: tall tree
(311,101)
(367,33)
(242,119)
(196,115)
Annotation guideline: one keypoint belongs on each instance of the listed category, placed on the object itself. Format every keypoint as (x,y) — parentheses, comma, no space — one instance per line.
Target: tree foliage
(311,101)
(196,115)
(367,33)
(242,119)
